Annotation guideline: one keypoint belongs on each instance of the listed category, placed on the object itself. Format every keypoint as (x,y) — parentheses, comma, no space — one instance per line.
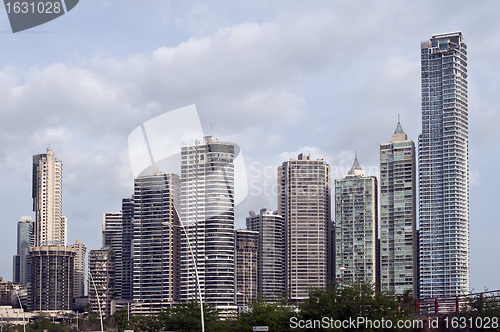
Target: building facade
(80,258)
(50,228)
(25,239)
(444,168)
(271,252)
(207,213)
(127,237)
(398,211)
(112,238)
(247,244)
(52,277)
(155,243)
(356,227)
(101,280)
(304,202)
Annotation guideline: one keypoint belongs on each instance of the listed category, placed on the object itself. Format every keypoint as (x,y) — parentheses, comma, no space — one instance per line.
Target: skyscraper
(444,168)
(80,257)
(155,243)
(246,265)
(25,240)
(398,233)
(50,226)
(304,202)
(356,227)
(127,236)
(112,238)
(207,210)
(271,252)
(52,277)
(101,279)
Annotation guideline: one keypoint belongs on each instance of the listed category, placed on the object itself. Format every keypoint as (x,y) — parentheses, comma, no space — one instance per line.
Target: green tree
(185,317)
(121,318)
(262,313)
(341,302)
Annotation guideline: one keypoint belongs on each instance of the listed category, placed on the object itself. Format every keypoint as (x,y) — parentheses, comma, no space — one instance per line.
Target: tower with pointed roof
(356,227)
(398,235)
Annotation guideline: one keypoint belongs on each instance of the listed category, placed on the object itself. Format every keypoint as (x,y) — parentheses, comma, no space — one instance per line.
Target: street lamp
(98,301)
(195,262)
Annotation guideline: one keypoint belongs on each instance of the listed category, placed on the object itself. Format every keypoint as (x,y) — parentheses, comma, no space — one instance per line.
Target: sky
(276,77)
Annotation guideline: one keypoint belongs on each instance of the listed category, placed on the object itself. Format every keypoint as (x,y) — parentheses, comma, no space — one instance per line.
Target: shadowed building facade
(304,202)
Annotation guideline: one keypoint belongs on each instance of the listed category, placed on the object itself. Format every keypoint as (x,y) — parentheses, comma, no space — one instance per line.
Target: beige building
(304,202)
(50,225)
(102,279)
(81,251)
(247,244)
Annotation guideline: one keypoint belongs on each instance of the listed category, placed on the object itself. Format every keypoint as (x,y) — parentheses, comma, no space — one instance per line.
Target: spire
(399,129)
(356,166)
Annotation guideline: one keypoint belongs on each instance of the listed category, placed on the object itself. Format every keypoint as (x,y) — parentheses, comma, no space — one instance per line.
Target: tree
(185,317)
(348,302)
(276,315)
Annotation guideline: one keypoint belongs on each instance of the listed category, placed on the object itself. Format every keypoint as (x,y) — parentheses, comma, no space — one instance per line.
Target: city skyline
(277,79)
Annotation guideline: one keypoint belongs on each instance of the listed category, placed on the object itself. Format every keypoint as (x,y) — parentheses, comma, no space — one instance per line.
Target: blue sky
(276,77)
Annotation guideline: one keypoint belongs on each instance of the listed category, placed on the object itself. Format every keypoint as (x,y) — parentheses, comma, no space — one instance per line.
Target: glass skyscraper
(444,168)
(398,233)
(356,227)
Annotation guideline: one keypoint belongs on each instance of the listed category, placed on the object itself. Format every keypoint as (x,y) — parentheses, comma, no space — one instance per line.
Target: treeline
(340,307)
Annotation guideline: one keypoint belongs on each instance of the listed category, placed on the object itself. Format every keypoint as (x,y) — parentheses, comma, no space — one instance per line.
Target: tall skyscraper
(207,210)
(52,277)
(304,202)
(80,257)
(444,168)
(271,252)
(112,238)
(101,279)
(398,210)
(50,226)
(155,243)
(356,227)
(246,265)
(25,240)
(127,236)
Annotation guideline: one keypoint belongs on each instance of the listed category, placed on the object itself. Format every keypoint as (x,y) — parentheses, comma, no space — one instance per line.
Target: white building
(207,213)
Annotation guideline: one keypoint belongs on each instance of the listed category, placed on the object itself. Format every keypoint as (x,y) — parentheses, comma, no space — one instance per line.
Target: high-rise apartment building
(25,240)
(271,252)
(126,260)
(246,265)
(356,227)
(398,210)
(444,168)
(50,226)
(52,277)
(155,243)
(112,238)
(79,281)
(101,280)
(207,211)
(304,202)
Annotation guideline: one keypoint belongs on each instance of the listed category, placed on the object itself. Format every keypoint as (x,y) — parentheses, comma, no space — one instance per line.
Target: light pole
(98,301)
(181,225)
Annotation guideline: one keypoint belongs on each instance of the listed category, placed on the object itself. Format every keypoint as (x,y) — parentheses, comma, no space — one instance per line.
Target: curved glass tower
(444,168)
